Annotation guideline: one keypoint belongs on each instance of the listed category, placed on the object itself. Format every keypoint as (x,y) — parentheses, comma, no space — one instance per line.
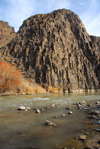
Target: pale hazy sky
(16,11)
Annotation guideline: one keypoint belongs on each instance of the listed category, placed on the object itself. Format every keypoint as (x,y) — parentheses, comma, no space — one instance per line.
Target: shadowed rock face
(55,49)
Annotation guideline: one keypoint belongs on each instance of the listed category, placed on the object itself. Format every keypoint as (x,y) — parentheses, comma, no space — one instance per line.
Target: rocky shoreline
(89,137)
(54,92)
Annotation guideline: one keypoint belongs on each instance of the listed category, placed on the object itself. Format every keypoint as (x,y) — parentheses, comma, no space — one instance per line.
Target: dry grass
(12,82)
(33,88)
(40,90)
(51,89)
(30,88)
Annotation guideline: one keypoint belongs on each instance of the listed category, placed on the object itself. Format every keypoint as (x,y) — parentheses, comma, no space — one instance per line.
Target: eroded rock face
(5,29)
(55,49)
(6,33)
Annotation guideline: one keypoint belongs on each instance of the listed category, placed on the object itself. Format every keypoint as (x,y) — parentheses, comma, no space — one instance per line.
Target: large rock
(49,123)
(55,49)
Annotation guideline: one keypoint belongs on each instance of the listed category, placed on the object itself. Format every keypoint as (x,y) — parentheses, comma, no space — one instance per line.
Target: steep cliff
(6,33)
(55,50)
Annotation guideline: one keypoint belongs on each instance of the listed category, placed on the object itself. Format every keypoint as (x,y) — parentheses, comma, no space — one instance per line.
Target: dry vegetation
(51,89)
(10,77)
(13,82)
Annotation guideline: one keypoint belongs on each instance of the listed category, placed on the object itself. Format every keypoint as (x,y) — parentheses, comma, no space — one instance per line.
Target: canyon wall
(55,50)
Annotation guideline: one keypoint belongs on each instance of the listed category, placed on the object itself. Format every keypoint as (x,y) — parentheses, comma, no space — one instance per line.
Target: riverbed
(27,129)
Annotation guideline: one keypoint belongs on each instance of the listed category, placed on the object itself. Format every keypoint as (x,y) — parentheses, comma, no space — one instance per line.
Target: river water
(27,129)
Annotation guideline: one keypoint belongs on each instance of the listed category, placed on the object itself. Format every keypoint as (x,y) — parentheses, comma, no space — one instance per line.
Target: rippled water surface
(27,129)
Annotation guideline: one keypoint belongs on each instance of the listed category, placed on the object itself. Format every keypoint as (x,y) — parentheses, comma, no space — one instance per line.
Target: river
(27,129)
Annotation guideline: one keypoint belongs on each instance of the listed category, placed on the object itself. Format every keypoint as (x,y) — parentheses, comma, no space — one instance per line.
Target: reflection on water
(20,129)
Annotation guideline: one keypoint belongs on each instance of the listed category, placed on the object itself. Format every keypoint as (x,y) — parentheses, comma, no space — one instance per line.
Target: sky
(16,11)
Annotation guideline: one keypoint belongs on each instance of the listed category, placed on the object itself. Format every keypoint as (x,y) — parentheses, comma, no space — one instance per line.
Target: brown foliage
(10,77)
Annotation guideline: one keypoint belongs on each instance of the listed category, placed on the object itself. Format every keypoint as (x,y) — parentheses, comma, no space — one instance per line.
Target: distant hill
(54,49)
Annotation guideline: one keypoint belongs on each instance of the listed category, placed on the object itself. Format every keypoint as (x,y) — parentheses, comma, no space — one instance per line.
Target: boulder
(81,137)
(49,123)
(22,108)
(95,112)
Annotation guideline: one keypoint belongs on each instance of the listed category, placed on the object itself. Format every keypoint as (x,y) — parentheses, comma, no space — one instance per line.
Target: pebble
(86,133)
(89,105)
(97,102)
(68,108)
(37,111)
(79,106)
(55,116)
(70,112)
(83,102)
(91,116)
(48,107)
(85,108)
(97,129)
(22,108)
(63,115)
(42,110)
(52,105)
(27,108)
(81,137)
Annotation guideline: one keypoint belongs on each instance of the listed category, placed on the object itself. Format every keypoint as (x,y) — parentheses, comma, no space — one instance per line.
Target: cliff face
(55,49)
(6,33)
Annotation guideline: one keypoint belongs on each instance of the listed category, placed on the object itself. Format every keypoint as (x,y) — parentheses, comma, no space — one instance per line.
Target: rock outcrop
(6,33)
(55,50)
